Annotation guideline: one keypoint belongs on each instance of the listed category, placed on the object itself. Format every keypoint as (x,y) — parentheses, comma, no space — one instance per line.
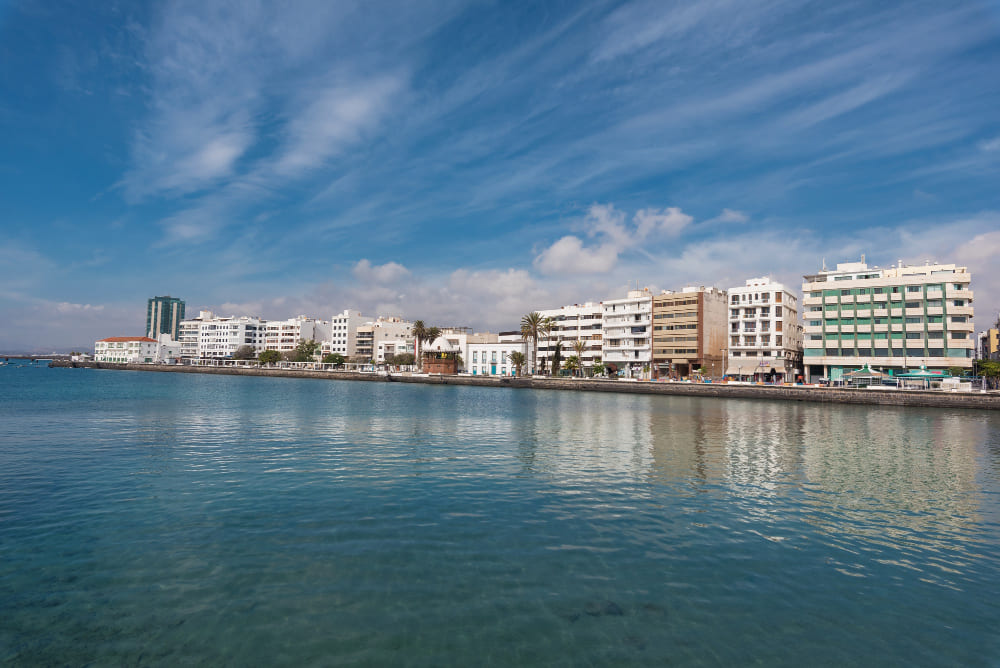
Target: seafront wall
(887,397)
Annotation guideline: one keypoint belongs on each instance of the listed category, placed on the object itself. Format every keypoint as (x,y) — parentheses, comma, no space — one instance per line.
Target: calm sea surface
(156,518)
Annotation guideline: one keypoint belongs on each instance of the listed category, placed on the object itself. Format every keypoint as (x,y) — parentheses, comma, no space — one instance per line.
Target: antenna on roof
(824,264)
(862,258)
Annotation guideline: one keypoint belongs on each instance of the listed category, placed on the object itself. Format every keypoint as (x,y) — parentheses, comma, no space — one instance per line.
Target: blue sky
(466,162)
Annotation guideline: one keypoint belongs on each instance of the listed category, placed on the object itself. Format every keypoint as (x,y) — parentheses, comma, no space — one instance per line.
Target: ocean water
(179,519)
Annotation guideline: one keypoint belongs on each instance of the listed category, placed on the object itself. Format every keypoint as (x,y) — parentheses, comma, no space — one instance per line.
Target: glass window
(913,288)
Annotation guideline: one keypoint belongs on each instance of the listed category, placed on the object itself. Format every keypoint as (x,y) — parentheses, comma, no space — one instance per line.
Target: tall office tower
(163,316)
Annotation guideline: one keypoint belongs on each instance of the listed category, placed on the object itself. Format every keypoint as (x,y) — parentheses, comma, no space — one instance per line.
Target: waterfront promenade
(882,397)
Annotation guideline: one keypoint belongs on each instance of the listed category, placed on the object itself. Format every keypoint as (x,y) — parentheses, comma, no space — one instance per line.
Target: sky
(468,162)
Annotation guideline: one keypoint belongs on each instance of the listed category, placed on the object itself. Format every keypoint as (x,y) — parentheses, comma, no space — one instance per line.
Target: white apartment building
(211,337)
(282,335)
(385,336)
(626,331)
(344,333)
(765,338)
(572,323)
(894,319)
(493,358)
(189,334)
(127,350)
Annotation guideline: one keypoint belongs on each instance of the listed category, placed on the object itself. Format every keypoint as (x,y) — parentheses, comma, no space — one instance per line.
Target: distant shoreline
(880,397)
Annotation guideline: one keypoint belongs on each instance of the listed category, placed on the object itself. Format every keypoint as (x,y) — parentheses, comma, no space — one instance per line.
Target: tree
(244,353)
(419,331)
(556,358)
(573,363)
(305,351)
(579,347)
(956,371)
(401,359)
(517,359)
(990,370)
(269,357)
(333,358)
(532,325)
(433,333)
(598,368)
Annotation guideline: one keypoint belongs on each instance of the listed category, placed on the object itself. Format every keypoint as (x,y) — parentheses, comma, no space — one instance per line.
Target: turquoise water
(172,519)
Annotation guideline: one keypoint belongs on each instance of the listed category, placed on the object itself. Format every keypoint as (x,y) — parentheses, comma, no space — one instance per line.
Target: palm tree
(572,363)
(419,331)
(579,346)
(433,333)
(531,325)
(517,359)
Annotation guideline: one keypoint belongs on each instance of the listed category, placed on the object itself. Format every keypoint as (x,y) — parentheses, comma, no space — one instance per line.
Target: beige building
(689,332)
(894,319)
(765,338)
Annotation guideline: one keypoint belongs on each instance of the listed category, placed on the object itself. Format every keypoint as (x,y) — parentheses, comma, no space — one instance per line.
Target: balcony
(935,310)
(896,312)
(830,300)
(846,329)
(915,327)
(880,297)
(863,299)
(847,299)
(864,328)
(896,296)
(960,310)
(960,326)
(951,293)
(831,314)
(915,311)
(863,314)
(935,327)
(881,328)
(880,313)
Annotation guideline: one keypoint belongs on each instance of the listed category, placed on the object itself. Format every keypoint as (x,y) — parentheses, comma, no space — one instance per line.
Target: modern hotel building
(894,319)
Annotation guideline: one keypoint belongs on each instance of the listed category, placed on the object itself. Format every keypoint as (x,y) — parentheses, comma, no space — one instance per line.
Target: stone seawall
(887,397)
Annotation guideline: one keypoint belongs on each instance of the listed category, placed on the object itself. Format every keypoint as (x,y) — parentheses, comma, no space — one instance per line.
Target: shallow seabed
(171,519)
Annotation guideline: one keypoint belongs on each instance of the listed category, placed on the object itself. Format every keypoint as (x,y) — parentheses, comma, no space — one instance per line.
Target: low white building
(493,358)
(127,350)
(627,333)
(571,324)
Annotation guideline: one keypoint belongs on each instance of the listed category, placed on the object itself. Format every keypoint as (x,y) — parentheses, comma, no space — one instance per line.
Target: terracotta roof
(121,339)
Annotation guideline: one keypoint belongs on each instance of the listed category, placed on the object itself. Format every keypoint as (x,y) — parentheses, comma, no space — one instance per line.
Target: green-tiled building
(163,316)
(894,318)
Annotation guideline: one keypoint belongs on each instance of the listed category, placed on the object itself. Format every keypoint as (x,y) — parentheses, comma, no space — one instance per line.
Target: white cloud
(669,222)
(335,117)
(991,145)
(390,272)
(569,255)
